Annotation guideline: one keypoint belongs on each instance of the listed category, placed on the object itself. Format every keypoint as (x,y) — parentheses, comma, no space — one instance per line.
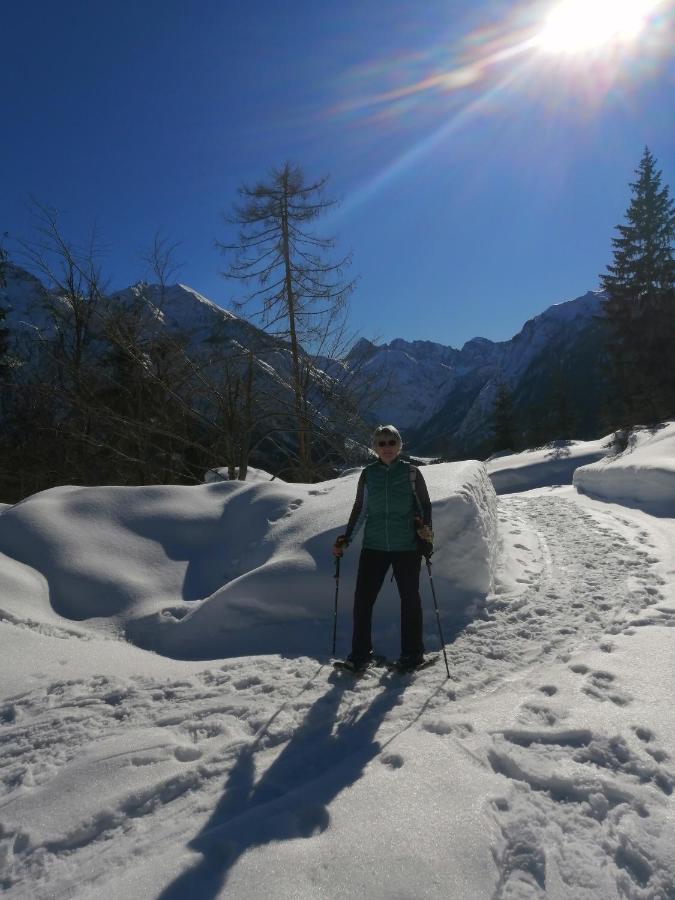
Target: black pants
(373,566)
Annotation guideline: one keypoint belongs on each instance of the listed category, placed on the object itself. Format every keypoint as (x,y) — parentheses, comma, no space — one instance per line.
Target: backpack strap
(420,494)
(413,486)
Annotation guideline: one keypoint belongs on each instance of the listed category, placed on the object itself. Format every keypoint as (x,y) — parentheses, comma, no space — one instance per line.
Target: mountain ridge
(439,395)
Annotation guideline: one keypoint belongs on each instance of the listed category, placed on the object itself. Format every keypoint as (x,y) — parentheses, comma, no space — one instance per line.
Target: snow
(554,463)
(227,568)
(542,768)
(222,474)
(644,474)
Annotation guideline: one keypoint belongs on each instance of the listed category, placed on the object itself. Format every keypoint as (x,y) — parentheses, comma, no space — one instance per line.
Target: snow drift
(554,463)
(644,474)
(230,568)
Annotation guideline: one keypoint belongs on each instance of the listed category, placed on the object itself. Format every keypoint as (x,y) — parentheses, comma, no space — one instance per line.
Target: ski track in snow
(583,810)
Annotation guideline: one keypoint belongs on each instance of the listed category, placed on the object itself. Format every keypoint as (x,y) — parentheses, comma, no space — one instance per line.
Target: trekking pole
(337,588)
(438,615)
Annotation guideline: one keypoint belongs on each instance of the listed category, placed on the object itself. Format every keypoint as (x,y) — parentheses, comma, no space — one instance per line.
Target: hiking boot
(409,661)
(358,662)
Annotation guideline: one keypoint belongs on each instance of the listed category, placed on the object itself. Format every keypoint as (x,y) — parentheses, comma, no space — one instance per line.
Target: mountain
(194,352)
(177,308)
(227,387)
(211,335)
(442,397)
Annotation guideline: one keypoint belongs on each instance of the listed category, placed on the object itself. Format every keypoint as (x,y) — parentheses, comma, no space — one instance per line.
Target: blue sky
(480,180)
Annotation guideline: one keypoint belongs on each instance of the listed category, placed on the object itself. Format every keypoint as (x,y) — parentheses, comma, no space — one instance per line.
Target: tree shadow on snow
(290,799)
(559,449)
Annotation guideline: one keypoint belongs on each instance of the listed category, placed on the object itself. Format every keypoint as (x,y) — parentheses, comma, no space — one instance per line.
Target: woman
(393,500)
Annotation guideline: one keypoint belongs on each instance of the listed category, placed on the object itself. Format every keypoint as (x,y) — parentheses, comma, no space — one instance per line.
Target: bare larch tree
(298,290)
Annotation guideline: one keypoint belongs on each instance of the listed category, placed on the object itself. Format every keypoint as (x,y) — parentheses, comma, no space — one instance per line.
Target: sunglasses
(390,443)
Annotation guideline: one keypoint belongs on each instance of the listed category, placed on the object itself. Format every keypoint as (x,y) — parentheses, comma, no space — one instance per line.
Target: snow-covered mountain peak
(420,349)
(200,298)
(582,307)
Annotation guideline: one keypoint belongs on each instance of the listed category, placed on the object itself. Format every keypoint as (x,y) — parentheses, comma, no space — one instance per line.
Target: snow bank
(229,568)
(553,464)
(213,476)
(644,474)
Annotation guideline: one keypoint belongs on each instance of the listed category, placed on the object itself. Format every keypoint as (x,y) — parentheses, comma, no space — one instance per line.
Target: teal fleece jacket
(388,500)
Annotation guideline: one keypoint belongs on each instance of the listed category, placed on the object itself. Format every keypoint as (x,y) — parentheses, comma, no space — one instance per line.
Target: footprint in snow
(8,714)
(646,735)
(548,689)
(292,506)
(248,681)
(579,669)
(442,728)
(599,686)
(392,760)
(536,714)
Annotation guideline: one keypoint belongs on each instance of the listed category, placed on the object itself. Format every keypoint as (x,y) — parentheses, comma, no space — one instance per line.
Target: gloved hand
(425,533)
(425,536)
(339,546)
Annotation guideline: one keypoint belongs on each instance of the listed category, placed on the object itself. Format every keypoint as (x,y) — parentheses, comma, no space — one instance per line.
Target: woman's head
(387,442)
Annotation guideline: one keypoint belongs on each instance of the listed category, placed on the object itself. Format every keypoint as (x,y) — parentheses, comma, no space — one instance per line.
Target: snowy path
(261,765)
(589,813)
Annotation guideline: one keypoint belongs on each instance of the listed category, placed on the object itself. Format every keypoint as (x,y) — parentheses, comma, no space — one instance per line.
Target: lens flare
(560,59)
(579,26)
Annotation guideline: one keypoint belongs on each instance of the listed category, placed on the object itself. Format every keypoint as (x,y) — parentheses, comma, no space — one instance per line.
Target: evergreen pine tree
(4,332)
(4,339)
(562,417)
(503,421)
(3,266)
(640,304)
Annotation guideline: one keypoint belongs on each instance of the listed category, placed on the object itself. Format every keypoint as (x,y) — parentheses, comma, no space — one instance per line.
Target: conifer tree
(3,266)
(4,332)
(562,419)
(640,304)
(503,421)
(4,338)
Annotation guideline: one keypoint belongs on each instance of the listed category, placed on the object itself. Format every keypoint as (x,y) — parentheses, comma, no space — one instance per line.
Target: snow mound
(229,568)
(213,476)
(555,463)
(644,474)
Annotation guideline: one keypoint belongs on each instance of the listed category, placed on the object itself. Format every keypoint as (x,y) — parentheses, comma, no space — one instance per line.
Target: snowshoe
(359,666)
(409,664)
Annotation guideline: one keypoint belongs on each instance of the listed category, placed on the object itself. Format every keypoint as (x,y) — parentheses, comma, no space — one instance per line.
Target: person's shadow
(290,800)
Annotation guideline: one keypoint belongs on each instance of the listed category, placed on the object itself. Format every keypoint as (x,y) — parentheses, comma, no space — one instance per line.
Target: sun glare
(578,26)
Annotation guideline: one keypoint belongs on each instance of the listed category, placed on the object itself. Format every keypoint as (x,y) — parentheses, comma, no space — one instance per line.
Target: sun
(580,26)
